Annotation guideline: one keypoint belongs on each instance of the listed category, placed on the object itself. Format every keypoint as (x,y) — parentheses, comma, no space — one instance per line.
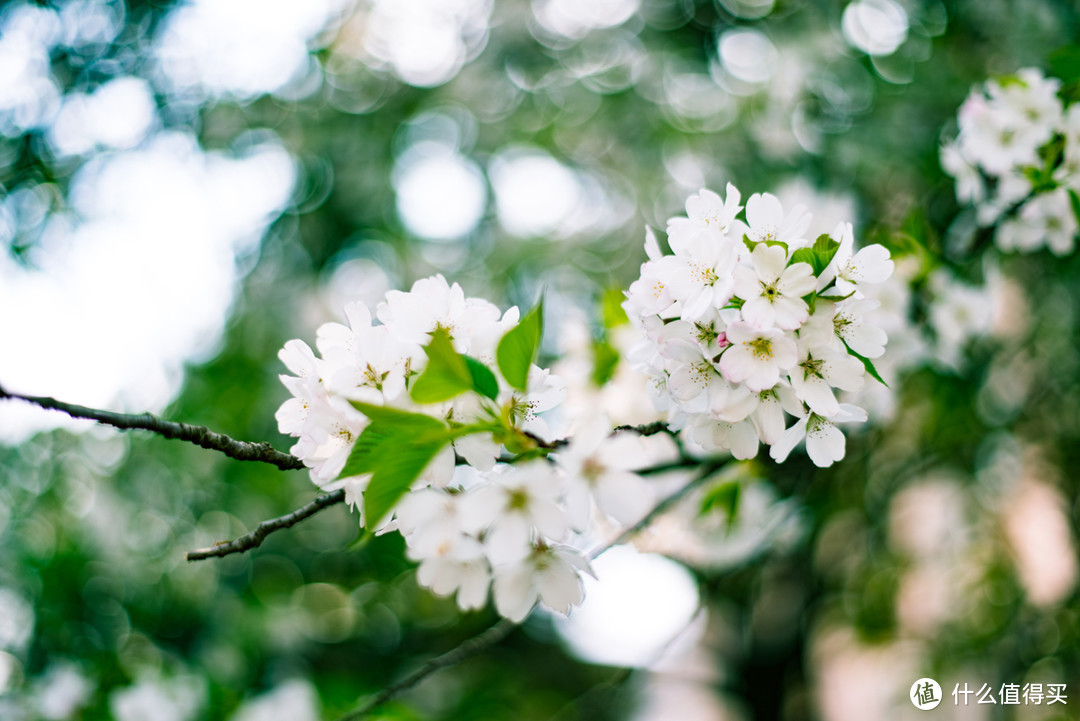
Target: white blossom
(731,365)
(825,444)
(756,355)
(550,574)
(1016,158)
(772,290)
(766,222)
(600,466)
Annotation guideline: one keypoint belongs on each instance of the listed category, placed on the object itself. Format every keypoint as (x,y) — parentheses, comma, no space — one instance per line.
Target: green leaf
(826,247)
(867,364)
(818,256)
(605,360)
(751,244)
(1010,80)
(611,310)
(395,448)
(805,255)
(449,374)
(518,348)
(483,380)
(395,472)
(724,497)
(1070,92)
(1074,200)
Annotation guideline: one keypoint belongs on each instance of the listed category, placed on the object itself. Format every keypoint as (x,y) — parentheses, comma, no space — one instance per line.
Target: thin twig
(707,471)
(199,435)
(494,634)
(467,649)
(264,529)
(647,429)
(622,675)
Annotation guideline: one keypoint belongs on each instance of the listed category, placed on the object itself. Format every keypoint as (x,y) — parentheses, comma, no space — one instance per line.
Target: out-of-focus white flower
(458,565)
(601,466)
(176,699)
(551,575)
(293,700)
(1047,220)
(521,497)
(959,313)
(1016,159)
(970,186)
(61,691)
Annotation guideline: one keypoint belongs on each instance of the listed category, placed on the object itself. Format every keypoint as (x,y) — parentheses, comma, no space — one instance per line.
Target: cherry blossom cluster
(746,321)
(1017,160)
(493,509)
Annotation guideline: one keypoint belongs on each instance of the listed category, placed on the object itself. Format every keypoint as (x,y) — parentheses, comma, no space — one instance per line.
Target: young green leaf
(611,310)
(518,348)
(449,374)
(818,256)
(395,448)
(751,244)
(483,380)
(395,472)
(605,360)
(805,255)
(826,247)
(724,497)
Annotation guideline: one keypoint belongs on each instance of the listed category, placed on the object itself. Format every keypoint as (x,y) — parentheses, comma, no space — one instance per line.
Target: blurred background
(184,186)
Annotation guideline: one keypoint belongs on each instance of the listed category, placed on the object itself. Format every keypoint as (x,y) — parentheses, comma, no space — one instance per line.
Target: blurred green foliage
(93,526)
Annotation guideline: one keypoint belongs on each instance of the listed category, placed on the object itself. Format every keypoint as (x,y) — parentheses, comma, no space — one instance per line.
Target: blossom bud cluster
(1017,160)
(746,320)
(494,508)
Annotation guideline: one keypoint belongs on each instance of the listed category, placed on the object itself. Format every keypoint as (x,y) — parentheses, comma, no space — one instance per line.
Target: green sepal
(735,302)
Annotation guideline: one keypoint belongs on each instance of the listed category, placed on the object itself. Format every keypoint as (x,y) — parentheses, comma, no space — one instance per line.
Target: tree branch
(647,429)
(706,472)
(264,529)
(199,435)
(494,634)
(623,674)
(467,649)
